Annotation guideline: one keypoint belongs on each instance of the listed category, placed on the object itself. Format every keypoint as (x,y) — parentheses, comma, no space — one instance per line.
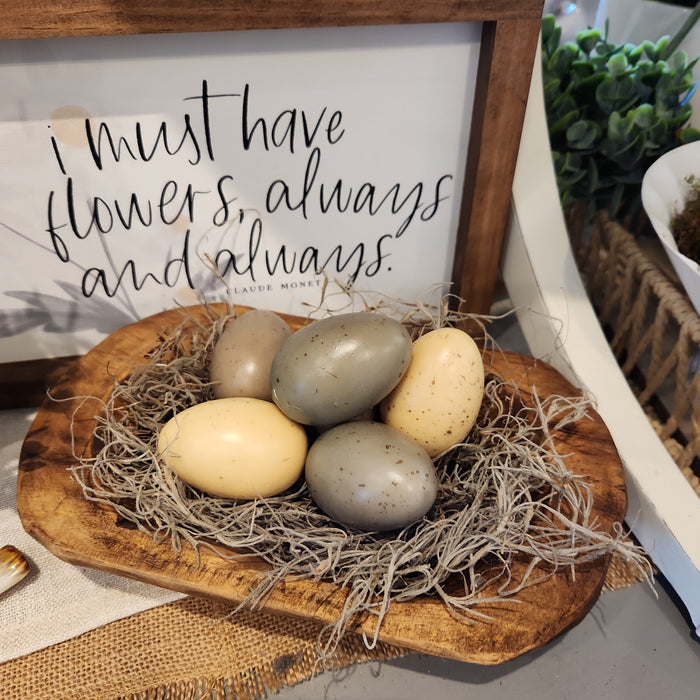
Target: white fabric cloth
(56,601)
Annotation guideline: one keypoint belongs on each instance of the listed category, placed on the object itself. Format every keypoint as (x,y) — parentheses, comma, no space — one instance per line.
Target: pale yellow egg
(237,447)
(438,399)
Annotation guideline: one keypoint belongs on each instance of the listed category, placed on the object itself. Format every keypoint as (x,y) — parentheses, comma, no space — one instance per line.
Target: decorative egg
(336,368)
(242,355)
(235,447)
(437,401)
(368,475)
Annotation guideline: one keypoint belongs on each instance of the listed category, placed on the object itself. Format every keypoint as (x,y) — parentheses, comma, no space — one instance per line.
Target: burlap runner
(188,649)
(179,651)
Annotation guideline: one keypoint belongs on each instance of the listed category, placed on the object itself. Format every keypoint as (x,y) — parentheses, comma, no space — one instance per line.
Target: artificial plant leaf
(649,49)
(661,46)
(616,200)
(581,69)
(689,135)
(585,89)
(561,60)
(669,90)
(562,104)
(633,177)
(618,65)
(561,125)
(549,26)
(625,155)
(592,177)
(678,120)
(616,129)
(635,97)
(551,34)
(587,39)
(633,53)
(551,91)
(568,167)
(616,94)
(648,72)
(679,60)
(644,116)
(582,134)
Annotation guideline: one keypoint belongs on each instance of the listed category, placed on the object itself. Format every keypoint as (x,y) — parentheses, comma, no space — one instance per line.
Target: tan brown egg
(242,356)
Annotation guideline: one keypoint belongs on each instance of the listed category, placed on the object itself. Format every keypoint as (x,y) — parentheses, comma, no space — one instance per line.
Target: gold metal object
(13,567)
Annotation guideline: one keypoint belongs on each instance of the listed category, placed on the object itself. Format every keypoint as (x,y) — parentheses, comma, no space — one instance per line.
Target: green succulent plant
(612,109)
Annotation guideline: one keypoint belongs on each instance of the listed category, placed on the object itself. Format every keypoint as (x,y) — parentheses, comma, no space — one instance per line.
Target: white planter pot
(664,190)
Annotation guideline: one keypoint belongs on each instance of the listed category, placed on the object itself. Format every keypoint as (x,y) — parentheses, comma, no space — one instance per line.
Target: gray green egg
(336,368)
(370,476)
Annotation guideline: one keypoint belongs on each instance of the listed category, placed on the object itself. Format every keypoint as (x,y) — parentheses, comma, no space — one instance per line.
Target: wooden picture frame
(508,44)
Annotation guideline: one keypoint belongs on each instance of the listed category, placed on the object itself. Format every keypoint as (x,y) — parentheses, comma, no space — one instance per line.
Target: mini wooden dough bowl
(54,511)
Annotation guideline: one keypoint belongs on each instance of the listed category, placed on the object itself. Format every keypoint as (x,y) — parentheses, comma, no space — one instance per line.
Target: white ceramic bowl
(664,189)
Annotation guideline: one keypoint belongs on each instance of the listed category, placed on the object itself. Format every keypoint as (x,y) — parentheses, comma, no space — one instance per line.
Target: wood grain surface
(57,18)
(25,384)
(53,510)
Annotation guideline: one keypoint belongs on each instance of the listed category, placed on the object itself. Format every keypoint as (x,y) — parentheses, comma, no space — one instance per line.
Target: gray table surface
(632,644)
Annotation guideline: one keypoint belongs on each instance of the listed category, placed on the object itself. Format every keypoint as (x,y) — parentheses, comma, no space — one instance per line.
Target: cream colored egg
(235,447)
(438,399)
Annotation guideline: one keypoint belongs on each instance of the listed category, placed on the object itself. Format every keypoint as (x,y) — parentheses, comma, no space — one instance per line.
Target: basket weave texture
(653,331)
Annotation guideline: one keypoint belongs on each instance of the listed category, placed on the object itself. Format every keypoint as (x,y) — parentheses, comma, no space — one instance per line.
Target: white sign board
(133,166)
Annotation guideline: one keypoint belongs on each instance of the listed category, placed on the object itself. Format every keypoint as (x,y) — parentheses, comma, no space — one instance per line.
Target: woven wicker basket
(652,329)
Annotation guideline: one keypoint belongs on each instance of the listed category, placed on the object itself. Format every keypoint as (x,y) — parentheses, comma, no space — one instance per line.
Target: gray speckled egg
(371,476)
(334,369)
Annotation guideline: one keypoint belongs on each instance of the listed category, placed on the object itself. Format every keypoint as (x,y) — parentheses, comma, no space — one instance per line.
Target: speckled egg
(235,447)
(336,368)
(370,476)
(438,399)
(242,355)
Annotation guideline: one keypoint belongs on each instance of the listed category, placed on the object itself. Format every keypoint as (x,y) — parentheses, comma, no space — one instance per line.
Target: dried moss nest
(505,494)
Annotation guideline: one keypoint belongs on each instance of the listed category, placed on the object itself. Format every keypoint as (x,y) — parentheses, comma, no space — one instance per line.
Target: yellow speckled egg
(234,447)
(438,399)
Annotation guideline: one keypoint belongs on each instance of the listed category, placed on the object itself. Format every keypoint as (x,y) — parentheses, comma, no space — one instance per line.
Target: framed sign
(155,150)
